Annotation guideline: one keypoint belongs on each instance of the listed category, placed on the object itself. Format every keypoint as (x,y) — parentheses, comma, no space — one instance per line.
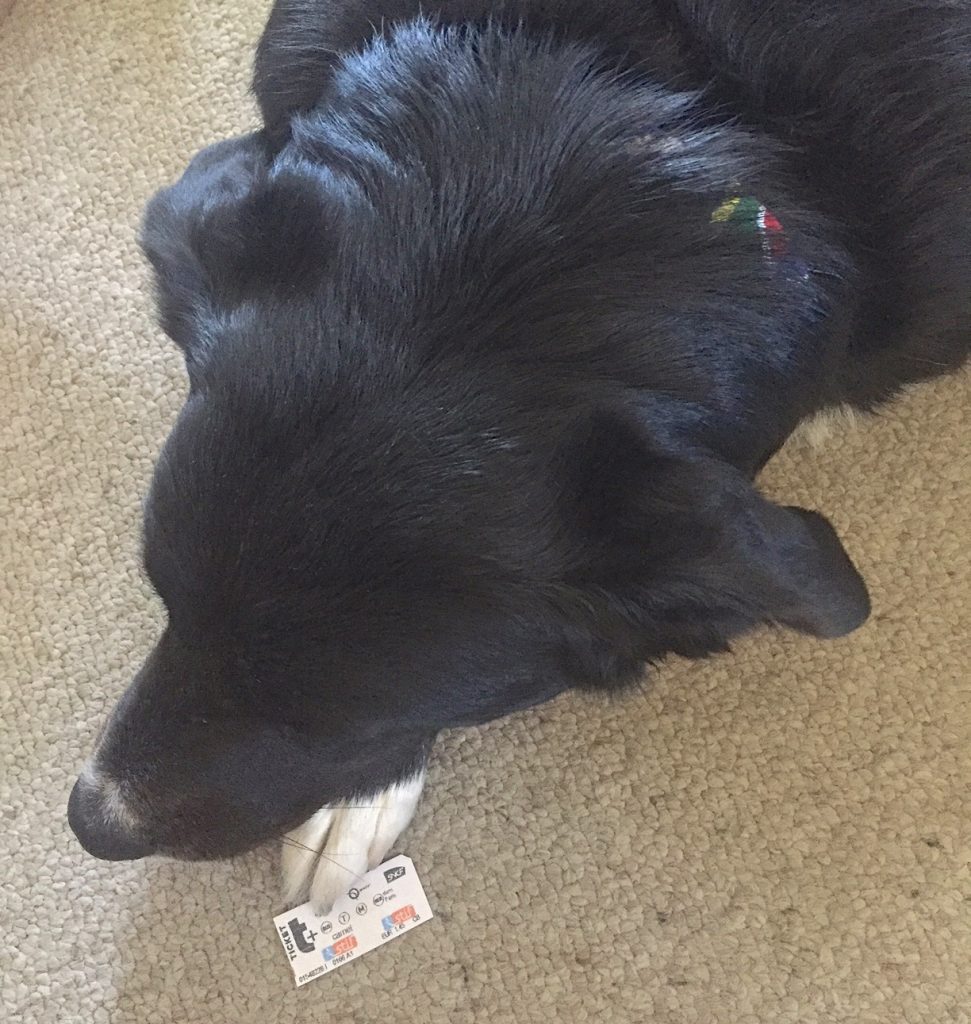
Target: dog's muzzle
(99,830)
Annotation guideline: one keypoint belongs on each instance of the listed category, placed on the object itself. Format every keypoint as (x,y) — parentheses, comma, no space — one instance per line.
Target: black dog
(489,329)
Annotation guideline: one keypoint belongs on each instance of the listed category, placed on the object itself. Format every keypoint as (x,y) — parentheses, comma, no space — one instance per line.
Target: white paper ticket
(377,907)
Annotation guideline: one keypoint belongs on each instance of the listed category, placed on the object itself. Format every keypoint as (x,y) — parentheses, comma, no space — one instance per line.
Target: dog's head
(360,541)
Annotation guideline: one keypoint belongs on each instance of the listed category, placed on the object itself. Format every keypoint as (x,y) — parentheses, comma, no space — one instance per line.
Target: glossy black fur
(478,389)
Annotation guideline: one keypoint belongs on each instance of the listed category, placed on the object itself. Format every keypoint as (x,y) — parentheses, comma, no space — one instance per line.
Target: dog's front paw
(331,850)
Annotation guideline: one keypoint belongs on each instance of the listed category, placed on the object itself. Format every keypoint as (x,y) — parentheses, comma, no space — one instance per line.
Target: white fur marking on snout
(328,852)
(116,811)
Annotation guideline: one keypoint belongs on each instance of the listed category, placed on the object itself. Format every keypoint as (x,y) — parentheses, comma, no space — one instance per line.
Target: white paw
(332,849)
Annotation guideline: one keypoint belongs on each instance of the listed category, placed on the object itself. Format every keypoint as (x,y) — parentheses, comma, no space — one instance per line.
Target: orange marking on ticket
(403,914)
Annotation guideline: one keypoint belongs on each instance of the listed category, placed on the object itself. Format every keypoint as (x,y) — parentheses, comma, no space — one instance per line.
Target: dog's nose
(98,830)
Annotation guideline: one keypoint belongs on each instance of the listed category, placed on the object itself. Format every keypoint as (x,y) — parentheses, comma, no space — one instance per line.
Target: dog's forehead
(331,537)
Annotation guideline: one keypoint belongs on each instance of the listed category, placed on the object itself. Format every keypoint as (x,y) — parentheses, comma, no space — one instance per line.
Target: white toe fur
(332,849)
(825,425)
(300,852)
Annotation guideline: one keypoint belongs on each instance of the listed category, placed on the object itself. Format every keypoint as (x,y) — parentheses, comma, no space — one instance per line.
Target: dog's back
(871,102)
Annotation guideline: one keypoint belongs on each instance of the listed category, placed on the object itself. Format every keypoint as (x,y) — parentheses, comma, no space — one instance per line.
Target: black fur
(478,389)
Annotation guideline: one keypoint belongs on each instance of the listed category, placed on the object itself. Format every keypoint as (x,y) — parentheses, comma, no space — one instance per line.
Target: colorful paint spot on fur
(747,214)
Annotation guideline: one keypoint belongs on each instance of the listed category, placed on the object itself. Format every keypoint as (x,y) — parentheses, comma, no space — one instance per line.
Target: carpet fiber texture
(779,835)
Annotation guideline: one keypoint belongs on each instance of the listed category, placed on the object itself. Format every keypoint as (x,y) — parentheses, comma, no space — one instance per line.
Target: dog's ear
(232,227)
(691,542)
(796,566)
(187,232)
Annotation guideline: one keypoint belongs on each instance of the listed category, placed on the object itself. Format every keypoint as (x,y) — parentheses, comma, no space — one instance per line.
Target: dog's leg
(328,852)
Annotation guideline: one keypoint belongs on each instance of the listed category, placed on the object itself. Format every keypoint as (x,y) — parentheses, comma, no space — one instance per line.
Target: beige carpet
(781,835)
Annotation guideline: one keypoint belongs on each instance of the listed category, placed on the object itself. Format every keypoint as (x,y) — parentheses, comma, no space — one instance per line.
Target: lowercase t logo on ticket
(377,907)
